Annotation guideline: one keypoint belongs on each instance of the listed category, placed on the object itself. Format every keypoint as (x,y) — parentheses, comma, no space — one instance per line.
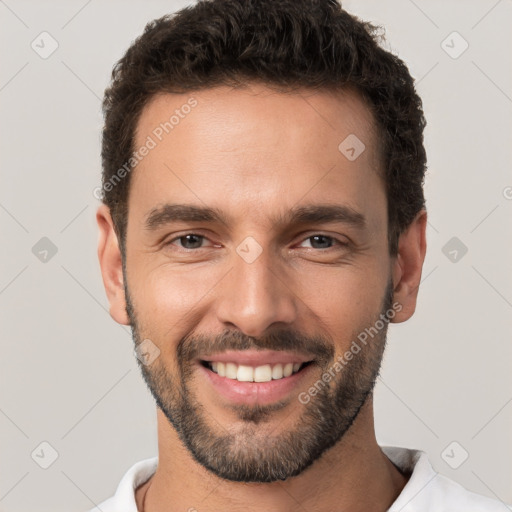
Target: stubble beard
(253,451)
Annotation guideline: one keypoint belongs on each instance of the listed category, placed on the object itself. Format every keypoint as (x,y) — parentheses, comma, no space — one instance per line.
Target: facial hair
(245,454)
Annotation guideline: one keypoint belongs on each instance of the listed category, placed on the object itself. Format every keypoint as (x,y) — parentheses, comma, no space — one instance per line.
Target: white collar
(425,491)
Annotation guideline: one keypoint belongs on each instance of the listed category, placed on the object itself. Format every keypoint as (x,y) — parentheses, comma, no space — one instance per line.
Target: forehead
(258,112)
(253,147)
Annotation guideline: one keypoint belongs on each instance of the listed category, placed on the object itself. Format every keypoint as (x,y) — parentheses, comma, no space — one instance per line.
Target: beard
(249,452)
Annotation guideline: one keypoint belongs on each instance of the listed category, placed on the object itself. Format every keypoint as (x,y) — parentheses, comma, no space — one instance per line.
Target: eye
(190,241)
(323,242)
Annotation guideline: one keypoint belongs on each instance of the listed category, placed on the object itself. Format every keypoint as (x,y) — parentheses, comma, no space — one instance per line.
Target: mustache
(195,346)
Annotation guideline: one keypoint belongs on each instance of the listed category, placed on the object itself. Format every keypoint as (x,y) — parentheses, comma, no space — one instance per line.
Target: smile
(255,376)
(262,373)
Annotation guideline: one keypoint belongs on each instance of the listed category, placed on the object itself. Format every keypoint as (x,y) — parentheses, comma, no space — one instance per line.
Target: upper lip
(257,357)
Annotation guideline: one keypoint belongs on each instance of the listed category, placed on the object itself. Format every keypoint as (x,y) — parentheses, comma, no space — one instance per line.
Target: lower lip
(255,392)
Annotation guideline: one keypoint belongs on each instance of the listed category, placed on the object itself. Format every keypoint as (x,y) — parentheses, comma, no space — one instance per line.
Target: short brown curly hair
(282,43)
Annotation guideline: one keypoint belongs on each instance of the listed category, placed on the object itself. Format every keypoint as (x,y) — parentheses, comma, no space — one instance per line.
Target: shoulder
(124,498)
(429,491)
(453,497)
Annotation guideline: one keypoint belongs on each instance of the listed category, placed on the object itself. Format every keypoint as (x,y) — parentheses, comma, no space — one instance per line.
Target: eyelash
(331,238)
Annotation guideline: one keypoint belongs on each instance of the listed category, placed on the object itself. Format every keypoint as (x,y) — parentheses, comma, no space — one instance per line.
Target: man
(263,213)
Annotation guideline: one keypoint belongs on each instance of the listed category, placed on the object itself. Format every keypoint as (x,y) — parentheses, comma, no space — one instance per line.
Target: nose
(256,295)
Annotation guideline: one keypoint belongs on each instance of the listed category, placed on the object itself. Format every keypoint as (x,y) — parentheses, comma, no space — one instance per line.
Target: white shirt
(426,490)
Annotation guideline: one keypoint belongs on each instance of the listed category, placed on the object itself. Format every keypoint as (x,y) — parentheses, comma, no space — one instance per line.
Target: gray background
(67,370)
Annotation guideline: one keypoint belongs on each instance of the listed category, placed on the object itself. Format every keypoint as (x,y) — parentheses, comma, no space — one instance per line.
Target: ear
(111,265)
(407,266)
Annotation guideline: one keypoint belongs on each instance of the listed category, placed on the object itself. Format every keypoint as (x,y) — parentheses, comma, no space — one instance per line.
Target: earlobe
(109,255)
(407,266)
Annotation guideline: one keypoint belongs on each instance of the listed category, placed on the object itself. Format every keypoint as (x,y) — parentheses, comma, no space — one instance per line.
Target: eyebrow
(309,214)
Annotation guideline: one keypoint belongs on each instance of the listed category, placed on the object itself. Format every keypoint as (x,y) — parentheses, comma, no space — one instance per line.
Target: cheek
(344,300)
(168,301)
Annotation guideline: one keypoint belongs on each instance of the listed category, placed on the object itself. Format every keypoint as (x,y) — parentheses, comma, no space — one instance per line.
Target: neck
(354,475)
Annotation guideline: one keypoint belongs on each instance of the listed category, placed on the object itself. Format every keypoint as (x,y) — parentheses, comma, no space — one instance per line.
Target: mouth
(262,373)
(255,377)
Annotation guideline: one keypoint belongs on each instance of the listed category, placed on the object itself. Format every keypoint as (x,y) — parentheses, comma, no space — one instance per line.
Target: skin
(255,153)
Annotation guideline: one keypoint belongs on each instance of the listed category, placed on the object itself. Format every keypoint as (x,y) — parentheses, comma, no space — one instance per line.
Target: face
(256,256)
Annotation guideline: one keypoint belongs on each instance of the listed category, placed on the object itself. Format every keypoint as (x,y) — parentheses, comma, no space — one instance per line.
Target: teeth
(231,371)
(277,371)
(245,374)
(264,373)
